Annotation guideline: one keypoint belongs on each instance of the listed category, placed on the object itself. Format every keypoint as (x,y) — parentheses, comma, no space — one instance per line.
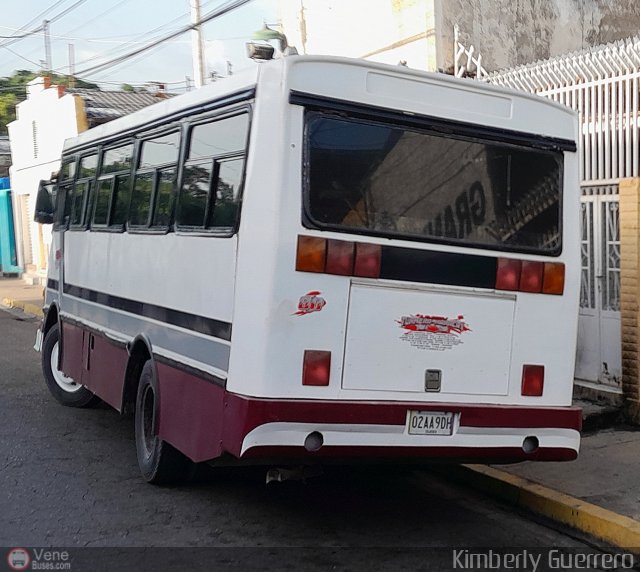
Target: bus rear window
(387,180)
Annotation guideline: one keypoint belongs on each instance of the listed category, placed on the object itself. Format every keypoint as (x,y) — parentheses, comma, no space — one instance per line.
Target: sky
(101,30)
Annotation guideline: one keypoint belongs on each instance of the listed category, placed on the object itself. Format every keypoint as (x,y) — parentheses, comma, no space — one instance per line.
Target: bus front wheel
(160,463)
(62,387)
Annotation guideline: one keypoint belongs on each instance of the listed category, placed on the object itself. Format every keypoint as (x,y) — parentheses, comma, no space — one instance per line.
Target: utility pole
(72,67)
(196,44)
(47,45)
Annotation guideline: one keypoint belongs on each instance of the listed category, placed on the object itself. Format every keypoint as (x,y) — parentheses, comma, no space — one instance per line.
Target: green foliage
(13,90)
(8,101)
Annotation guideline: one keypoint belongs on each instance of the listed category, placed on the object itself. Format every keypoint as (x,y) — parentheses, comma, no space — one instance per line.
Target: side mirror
(44,203)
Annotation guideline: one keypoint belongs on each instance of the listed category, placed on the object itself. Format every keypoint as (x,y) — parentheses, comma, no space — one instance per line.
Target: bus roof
(368,83)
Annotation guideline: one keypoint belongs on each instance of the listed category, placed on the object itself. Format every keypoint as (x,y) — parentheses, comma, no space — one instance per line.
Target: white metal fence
(601,84)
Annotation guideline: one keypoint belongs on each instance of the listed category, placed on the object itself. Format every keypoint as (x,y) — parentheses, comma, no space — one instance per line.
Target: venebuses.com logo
(18,559)
(38,559)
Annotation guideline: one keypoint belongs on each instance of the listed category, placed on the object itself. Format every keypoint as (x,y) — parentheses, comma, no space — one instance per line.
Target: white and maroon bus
(323,259)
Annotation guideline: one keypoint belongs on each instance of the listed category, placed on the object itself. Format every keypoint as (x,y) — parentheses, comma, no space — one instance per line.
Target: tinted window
(219,137)
(196,180)
(121,196)
(141,199)
(160,151)
(118,159)
(79,199)
(88,166)
(394,181)
(164,198)
(227,199)
(102,199)
(68,169)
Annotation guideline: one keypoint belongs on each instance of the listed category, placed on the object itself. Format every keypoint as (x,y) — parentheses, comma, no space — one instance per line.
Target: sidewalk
(15,293)
(599,493)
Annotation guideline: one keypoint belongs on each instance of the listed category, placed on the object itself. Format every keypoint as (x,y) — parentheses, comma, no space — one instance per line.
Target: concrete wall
(506,32)
(513,32)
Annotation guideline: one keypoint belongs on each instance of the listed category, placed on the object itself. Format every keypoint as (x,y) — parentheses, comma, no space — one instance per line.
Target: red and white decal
(432,332)
(309,303)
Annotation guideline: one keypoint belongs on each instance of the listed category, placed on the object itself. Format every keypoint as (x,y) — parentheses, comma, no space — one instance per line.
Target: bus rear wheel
(62,387)
(159,462)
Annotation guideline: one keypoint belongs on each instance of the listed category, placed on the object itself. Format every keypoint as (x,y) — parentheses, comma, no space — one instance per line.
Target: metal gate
(603,85)
(598,354)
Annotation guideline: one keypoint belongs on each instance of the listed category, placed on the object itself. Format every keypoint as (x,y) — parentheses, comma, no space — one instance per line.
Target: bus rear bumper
(495,444)
(489,433)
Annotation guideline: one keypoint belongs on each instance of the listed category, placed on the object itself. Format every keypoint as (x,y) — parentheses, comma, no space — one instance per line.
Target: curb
(608,526)
(26,307)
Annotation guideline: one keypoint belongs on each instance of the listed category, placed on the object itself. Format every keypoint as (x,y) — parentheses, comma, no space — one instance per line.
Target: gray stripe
(208,351)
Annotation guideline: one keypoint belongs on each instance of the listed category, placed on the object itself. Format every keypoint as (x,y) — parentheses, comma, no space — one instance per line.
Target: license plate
(429,423)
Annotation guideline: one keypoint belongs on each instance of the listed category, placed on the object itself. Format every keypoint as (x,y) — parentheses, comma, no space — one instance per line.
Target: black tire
(160,463)
(63,388)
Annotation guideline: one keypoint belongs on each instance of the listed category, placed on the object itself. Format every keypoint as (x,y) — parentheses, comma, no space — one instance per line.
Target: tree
(8,103)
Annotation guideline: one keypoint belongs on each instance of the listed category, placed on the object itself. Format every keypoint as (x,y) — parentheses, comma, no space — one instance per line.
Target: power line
(67,10)
(228,7)
(33,21)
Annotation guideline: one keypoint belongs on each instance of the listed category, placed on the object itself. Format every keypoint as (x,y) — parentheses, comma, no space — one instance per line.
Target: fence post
(630,294)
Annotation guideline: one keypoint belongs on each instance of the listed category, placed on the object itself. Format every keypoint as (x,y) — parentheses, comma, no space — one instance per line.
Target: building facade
(507,33)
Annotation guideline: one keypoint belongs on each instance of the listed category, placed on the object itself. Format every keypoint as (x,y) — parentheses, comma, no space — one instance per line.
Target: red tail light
(532,380)
(339,257)
(316,367)
(367,260)
(508,274)
(531,276)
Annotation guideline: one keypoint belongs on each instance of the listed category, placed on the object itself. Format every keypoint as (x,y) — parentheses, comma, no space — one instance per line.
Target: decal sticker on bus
(436,333)
(309,303)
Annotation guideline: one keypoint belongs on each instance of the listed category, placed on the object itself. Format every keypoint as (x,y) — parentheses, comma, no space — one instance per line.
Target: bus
(321,260)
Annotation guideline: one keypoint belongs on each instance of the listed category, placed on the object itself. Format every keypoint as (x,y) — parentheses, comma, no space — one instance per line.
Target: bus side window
(111,201)
(211,181)
(153,193)
(64,195)
(82,195)
(226,207)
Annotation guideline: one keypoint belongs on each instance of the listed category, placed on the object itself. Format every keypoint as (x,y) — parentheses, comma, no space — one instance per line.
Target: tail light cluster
(339,257)
(530,276)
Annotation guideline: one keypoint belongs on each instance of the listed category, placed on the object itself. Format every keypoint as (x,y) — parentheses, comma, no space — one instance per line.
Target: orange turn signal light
(311,254)
(553,282)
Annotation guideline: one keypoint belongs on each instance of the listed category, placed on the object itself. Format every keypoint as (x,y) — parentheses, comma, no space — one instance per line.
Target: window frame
(189,125)
(61,200)
(87,202)
(148,227)
(427,126)
(112,175)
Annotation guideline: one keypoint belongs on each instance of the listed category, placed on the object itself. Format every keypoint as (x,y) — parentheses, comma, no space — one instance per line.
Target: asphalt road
(69,478)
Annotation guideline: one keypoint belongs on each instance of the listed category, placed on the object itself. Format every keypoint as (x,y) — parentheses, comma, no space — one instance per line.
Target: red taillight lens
(339,257)
(311,254)
(508,274)
(367,260)
(531,276)
(553,281)
(316,367)
(532,380)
